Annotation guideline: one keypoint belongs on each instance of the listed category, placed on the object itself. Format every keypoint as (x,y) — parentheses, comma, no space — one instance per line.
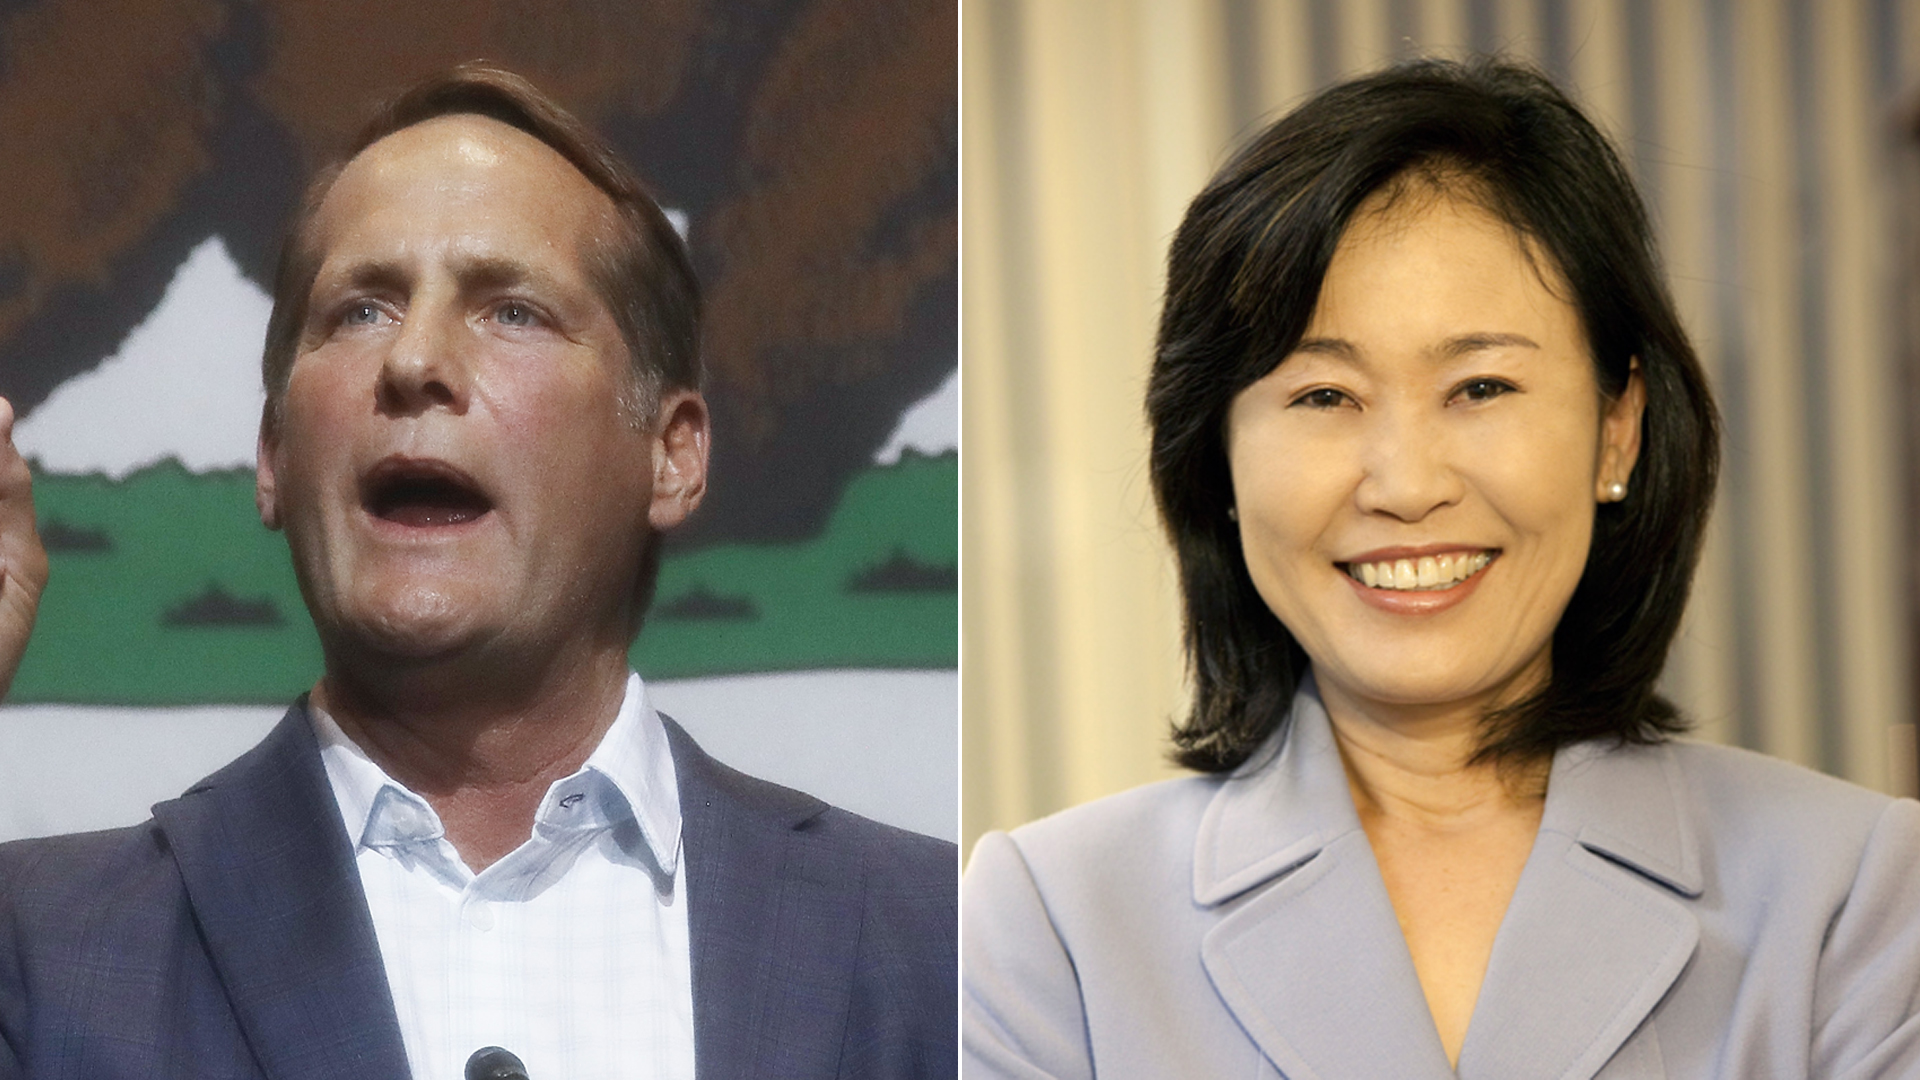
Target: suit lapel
(1316,970)
(270,876)
(1308,955)
(774,922)
(1600,897)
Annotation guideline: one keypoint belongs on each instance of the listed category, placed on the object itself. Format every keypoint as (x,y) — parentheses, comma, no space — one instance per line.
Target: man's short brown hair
(642,272)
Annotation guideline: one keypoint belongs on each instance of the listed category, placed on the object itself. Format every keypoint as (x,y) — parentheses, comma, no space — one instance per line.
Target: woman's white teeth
(1426,572)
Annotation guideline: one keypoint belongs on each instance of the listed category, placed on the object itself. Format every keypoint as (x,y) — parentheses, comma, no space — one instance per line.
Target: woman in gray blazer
(1435,456)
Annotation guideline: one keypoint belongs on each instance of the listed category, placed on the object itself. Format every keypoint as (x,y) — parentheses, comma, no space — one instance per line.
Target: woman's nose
(1408,466)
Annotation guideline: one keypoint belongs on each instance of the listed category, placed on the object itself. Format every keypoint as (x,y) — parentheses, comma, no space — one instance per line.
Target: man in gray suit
(483,409)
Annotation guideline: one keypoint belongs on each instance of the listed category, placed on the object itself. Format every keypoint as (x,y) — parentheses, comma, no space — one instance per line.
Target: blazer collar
(1627,804)
(1599,928)
(774,918)
(269,873)
(1309,956)
(1276,811)
(1604,904)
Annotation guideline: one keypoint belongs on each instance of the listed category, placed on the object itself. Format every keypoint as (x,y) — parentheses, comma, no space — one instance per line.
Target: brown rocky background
(813,144)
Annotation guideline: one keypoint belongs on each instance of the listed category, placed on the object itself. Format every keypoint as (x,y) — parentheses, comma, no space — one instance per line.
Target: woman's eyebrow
(1338,348)
(1456,347)
(1451,349)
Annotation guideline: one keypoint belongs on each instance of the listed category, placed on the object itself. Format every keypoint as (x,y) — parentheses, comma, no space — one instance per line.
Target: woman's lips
(1419,584)
(1438,571)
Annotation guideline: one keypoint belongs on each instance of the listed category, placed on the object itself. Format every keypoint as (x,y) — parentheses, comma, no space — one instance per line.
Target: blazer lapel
(270,876)
(774,922)
(1308,954)
(1597,931)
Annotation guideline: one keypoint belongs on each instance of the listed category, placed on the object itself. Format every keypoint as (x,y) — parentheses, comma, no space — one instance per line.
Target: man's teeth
(1426,572)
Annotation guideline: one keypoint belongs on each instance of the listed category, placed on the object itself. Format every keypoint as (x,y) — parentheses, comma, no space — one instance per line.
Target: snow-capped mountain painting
(809,150)
(184,385)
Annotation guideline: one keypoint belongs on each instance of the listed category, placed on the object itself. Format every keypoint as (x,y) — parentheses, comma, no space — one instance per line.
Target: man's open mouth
(422,494)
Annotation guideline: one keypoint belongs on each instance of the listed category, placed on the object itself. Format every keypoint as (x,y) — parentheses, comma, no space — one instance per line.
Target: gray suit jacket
(229,939)
(1687,910)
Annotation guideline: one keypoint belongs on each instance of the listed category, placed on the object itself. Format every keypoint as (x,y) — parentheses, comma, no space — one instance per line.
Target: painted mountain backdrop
(806,147)
(144,490)
(810,146)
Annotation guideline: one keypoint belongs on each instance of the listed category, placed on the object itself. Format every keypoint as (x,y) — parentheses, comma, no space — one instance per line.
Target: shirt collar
(629,775)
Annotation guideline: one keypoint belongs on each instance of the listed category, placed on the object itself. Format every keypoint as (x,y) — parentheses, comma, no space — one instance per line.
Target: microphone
(495,1063)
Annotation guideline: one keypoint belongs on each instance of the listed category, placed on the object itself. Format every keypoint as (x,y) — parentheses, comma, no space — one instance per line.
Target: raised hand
(23,562)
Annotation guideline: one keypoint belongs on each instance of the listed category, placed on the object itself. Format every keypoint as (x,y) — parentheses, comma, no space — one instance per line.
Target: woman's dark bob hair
(1243,278)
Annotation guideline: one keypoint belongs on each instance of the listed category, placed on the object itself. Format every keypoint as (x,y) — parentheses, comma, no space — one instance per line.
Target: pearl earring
(1616,491)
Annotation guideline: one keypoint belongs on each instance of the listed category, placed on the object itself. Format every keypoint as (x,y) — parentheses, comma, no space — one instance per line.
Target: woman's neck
(1451,838)
(1415,766)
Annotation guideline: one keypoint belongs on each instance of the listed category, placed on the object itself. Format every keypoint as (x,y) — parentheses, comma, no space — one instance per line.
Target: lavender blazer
(229,937)
(1687,911)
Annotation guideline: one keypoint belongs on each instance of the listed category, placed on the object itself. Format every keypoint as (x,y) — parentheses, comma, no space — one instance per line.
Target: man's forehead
(458,139)
(460,172)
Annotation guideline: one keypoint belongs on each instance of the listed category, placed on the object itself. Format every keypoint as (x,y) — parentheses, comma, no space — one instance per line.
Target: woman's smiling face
(1416,482)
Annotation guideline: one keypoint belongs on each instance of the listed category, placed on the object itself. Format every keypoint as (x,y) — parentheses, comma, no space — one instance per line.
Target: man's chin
(425,629)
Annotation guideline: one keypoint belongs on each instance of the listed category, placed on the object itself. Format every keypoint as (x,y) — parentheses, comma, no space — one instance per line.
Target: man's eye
(1483,389)
(361,314)
(1322,397)
(515,314)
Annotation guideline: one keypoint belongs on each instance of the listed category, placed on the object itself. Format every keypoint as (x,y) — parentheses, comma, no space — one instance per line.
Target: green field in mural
(167,590)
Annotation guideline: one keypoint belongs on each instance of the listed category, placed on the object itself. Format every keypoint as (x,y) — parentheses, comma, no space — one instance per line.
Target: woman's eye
(1322,397)
(1483,389)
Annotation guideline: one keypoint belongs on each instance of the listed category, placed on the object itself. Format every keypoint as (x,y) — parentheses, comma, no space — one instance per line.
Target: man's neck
(482,756)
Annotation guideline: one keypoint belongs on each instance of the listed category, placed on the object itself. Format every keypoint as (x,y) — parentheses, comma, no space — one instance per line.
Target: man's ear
(680,446)
(266,495)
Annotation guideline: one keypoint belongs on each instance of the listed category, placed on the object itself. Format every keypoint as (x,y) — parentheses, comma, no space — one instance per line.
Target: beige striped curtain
(1764,135)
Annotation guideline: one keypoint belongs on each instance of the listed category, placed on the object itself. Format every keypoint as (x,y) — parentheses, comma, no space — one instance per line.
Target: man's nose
(424,368)
(1408,465)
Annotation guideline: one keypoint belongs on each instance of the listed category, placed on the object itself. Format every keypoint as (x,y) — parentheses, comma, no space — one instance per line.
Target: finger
(13,468)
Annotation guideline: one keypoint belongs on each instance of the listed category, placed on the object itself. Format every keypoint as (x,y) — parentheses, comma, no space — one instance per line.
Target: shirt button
(480,915)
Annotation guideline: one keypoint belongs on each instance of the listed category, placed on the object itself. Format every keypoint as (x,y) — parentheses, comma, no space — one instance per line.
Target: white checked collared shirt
(572,951)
